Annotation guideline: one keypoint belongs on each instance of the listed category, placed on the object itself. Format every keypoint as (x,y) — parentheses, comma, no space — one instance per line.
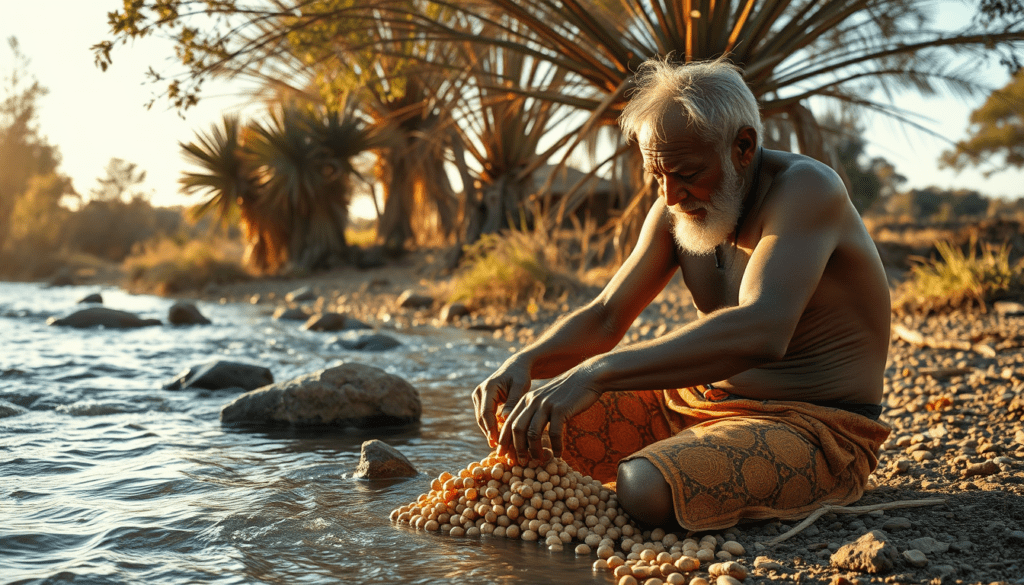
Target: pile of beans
(557,506)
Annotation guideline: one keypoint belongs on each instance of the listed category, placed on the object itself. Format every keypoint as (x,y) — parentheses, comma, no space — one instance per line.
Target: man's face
(701,185)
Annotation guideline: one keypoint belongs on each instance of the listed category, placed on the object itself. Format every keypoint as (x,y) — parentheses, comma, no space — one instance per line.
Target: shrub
(167,267)
(961,279)
(508,270)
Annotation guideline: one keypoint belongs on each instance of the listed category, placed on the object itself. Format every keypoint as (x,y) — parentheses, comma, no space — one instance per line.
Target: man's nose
(674,191)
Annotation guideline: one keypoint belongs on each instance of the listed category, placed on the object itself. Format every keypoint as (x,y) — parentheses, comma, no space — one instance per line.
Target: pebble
(766,564)
(981,469)
(897,523)
(915,557)
(734,548)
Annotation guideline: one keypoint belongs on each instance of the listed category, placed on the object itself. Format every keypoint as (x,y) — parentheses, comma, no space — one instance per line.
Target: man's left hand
(550,405)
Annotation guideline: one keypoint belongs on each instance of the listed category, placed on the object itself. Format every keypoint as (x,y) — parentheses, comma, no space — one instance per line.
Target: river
(107,478)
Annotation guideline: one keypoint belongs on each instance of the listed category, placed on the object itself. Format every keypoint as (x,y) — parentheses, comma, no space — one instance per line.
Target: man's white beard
(700,236)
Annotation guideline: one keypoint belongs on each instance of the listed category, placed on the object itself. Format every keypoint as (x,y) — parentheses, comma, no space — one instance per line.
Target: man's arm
(800,231)
(590,331)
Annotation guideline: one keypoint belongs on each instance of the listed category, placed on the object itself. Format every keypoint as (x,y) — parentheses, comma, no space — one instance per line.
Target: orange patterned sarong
(728,458)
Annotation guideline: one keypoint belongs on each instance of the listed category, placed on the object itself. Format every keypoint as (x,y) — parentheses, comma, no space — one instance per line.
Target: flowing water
(107,478)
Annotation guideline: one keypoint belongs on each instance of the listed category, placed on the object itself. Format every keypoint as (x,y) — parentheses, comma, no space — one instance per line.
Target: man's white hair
(712,96)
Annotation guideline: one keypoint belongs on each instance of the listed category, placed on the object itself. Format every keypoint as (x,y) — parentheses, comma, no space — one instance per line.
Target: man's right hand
(505,386)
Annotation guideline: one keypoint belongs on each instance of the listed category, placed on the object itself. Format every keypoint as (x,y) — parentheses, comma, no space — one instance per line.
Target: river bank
(954,398)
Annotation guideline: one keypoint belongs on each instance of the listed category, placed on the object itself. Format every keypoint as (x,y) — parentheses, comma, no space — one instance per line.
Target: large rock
(185,313)
(871,553)
(353,395)
(218,375)
(103,317)
(382,461)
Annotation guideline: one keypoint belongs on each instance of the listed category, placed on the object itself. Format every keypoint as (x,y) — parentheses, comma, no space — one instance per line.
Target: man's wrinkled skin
(799,309)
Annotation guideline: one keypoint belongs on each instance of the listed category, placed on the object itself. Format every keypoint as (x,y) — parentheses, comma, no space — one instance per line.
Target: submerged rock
(220,375)
(379,460)
(374,342)
(103,317)
(185,313)
(296,314)
(871,553)
(355,395)
(326,322)
(10,409)
(93,298)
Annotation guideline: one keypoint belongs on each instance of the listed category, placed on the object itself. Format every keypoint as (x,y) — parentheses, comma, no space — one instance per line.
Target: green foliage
(997,127)
(509,269)
(962,279)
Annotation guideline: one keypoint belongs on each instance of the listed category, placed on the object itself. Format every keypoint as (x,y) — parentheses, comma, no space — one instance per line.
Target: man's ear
(744,147)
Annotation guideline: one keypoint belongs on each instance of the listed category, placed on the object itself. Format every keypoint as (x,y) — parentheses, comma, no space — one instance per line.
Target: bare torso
(838,350)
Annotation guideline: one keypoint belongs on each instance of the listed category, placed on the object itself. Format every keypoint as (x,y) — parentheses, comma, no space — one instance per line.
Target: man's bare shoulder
(800,183)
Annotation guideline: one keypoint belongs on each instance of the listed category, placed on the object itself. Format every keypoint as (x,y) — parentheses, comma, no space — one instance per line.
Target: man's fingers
(555,435)
(535,434)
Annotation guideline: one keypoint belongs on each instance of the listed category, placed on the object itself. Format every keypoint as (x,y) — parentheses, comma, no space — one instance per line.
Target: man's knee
(644,494)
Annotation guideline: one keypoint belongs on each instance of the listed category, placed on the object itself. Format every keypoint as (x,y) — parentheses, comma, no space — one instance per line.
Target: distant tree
(25,155)
(121,183)
(868,179)
(997,127)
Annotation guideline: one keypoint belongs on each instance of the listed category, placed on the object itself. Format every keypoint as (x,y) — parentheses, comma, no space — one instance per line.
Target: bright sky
(93,116)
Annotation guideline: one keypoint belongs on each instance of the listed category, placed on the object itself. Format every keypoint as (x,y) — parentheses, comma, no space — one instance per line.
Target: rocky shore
(954,393)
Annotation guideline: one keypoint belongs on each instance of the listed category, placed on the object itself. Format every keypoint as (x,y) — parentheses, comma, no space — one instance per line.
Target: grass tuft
(509,270)
(167,267)
(961,279)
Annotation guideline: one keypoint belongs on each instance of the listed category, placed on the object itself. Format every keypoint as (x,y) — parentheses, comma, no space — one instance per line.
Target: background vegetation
(473,114)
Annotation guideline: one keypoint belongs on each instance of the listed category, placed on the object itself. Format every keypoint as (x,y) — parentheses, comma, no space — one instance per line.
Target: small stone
(928,545)
(221,375)
(379,460)
(897,523)
(734,548)
(1008,308)
(915,557)
(982,469)
(300,294)
(727,580)
(287,314)
(840,580)
(903,465)
(451,311)
(871,553)
(1017,535)
(767,564)
(922,455)
(185,313)
(93,298)
(411,300)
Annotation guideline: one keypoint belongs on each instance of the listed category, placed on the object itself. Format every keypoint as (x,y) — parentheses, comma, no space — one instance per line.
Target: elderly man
(766,406)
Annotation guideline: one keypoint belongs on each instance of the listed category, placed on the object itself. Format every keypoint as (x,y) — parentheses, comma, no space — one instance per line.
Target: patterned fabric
(728,458)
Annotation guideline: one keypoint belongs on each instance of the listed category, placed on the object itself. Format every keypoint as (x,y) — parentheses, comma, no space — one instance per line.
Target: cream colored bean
(583,549)
(600,565)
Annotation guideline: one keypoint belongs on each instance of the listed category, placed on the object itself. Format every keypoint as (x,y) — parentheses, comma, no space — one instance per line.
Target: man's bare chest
(714,280)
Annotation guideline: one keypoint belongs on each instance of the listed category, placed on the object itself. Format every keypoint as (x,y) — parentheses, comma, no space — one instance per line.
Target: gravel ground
(956,416)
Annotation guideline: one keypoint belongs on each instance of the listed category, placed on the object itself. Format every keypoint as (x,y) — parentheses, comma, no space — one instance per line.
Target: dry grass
(167,267)
(511,269)
(961,279)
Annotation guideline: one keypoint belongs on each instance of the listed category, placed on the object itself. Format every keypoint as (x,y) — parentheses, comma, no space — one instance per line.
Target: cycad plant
(290,178)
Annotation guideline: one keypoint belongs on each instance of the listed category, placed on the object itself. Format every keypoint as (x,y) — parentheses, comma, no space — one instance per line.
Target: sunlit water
(110,479)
